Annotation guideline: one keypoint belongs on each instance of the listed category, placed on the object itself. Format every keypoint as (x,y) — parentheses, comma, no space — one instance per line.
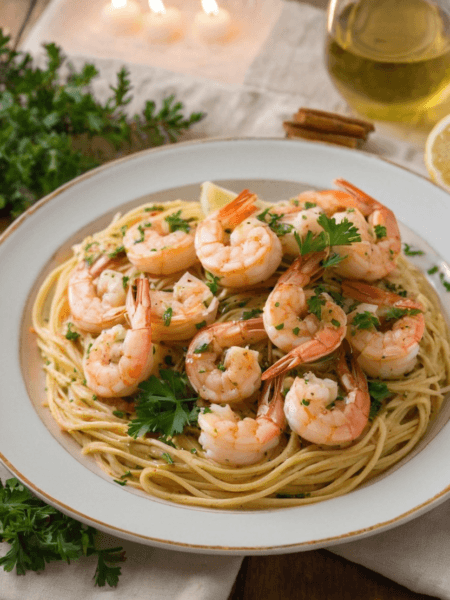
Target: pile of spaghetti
(263,355)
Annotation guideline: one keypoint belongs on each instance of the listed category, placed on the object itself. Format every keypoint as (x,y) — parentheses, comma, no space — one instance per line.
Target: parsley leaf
(315,304)
(333,234)
(333,260)
(380,231)
(164,405)
(394,313)
(212,282)
(176,223)
(250,314)
(167,316)
(71,335)
(39,534)
(280,229)
(365,320)
(409,252)
(378,391)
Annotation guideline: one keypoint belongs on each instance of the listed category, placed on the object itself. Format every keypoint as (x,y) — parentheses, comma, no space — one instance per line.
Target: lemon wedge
(213,197)
(437,153)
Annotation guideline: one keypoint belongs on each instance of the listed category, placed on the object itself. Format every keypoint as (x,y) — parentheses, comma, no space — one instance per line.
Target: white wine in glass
(390,59)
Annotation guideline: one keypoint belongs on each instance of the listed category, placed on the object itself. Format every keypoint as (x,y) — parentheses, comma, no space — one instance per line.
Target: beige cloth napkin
(287,73)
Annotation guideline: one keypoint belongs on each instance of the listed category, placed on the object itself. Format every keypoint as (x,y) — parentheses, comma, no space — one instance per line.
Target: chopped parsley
(250,314)
(380,231)
(142,232)
(365,320)
(212,282)
(378,391)
(167,316)
(280,229)
(392,314)
(176,223)
(203,348)
(433,270)
(410,252)
(71,335)
(446,284)
(116,251)
(315,304)
(200,325)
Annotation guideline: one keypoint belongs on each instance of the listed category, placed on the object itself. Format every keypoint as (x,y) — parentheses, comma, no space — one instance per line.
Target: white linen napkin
(287,73)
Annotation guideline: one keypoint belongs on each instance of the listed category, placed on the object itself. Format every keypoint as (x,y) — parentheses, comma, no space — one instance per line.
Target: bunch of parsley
(47,122)
(39,534)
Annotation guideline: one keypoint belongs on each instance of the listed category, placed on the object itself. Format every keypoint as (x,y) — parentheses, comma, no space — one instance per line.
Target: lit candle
(213,24)
(122,16)
(163,24)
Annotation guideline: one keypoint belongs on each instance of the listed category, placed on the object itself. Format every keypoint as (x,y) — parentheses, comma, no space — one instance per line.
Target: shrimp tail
(353,378)
(368,206)
(305,353)
(271,405)
(360,196)
(102,263)
(305,269)
(364,292)
(238,209)
(139,308)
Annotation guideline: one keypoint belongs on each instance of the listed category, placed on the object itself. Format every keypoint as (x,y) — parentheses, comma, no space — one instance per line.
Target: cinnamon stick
(329,127)
(295,130)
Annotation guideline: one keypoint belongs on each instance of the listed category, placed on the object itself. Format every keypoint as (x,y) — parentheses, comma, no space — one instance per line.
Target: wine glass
(390,59)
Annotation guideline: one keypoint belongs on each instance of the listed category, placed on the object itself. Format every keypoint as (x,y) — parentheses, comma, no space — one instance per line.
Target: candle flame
(118,3)
(157,6)
(210,7)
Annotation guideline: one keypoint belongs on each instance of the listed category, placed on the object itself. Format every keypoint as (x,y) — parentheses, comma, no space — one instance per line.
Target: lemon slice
(437,153)
(213,197)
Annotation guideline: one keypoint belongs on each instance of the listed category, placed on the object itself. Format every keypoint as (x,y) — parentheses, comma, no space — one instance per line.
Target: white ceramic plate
(50,463)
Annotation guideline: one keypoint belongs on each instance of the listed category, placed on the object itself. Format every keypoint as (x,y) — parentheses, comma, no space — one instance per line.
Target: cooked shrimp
(153,246)
(307,324)
(178,315)
(236,247)
(219,368)
(375,255)
(96,296)
(120,358)
(385,330)
(230,440)
(317,413)
(294,219)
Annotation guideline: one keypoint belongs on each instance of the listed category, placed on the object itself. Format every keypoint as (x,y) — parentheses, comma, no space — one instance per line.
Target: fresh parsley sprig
(333,234)
(164,405)
(53,128)
(39,534)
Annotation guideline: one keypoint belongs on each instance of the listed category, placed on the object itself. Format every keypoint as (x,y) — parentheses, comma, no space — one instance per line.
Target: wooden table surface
(313,575)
